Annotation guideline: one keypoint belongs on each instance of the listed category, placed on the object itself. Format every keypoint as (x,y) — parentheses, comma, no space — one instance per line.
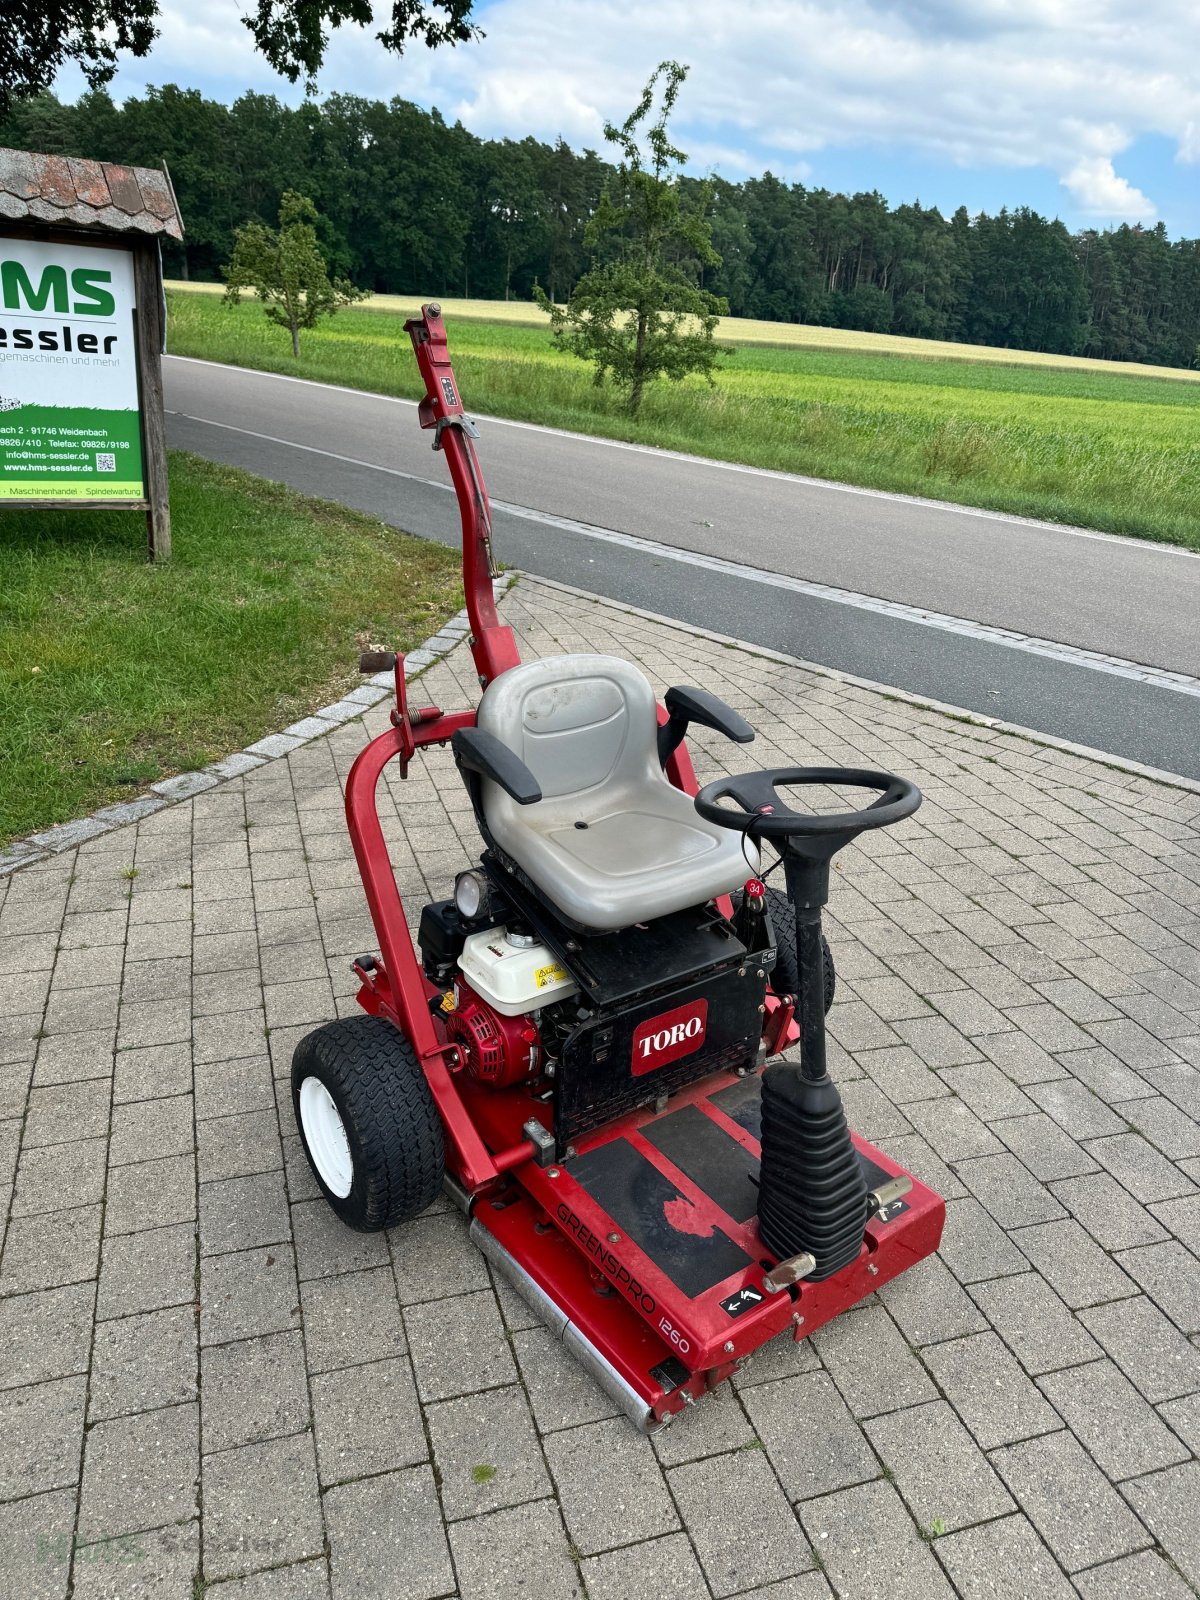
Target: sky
(1084,109)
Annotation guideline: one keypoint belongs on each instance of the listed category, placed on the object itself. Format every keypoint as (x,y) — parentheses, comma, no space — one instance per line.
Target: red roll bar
(492,644)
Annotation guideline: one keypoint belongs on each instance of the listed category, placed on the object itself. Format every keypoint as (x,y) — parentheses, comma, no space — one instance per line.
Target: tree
(410,204)
(640,314)
(41,35)
(293,34)
(287,270)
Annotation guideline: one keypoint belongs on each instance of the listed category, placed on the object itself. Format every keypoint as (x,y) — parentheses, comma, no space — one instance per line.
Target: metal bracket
(368,970)
(775,1034)
(468,425)
(542,1140)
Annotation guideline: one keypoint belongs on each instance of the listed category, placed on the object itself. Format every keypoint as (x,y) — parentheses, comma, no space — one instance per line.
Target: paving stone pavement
(208,1386)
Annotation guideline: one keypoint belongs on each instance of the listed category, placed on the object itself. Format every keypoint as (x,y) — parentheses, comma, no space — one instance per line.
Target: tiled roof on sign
(86,194)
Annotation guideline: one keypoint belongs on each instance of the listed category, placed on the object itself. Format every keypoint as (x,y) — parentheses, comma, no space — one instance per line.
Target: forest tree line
(411,204)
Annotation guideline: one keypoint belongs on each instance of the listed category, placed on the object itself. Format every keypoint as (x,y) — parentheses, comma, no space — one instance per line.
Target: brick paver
(206,1380)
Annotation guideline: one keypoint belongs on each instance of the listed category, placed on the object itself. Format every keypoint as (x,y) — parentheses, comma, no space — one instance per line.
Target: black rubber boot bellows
(812,1191)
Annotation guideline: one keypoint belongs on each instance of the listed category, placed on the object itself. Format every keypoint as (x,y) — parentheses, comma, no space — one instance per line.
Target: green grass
(1096,448)
(114,673)
(789,335)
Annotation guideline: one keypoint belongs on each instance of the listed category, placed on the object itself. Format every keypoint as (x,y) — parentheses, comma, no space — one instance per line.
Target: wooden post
(148,292)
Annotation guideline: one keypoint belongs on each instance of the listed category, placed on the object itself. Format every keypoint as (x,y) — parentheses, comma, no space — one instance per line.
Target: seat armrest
(685,706)
(477,751)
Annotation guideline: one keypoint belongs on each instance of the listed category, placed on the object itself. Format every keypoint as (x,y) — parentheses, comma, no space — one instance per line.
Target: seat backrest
(577,722)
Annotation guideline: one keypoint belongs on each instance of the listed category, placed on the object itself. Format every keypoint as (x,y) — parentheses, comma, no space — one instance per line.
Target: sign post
(81,335)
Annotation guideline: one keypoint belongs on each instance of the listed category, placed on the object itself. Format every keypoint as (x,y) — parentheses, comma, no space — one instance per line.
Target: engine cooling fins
(812,1191)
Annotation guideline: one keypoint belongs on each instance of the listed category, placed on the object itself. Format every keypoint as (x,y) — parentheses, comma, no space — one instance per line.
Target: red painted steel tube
(406,983)
(492,644)
(515,1156)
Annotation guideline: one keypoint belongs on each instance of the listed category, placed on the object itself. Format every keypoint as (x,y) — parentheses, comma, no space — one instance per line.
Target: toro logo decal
(669,1036)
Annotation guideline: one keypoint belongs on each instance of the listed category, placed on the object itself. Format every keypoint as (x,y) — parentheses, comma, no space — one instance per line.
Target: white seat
(612,841)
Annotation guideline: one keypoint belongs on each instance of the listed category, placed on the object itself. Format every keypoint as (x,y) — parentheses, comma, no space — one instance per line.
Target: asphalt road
(999,615)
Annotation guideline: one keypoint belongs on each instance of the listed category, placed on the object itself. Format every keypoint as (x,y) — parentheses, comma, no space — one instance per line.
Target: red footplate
(655,1258)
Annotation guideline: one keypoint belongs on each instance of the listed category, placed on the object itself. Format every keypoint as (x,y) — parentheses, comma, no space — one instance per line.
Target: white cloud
(1101,192)
(1063,84)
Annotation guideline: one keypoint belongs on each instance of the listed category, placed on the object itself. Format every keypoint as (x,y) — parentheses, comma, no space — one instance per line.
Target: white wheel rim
(325,1135)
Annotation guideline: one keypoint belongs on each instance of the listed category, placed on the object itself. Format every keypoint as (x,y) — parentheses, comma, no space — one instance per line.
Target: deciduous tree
(639,313)
(40,36)
(287,270)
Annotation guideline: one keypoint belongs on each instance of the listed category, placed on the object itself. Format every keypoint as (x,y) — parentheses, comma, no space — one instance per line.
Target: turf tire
(392,1126)
(786,977)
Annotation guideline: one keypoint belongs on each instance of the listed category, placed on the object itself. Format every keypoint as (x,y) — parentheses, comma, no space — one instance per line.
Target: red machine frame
(485,1147)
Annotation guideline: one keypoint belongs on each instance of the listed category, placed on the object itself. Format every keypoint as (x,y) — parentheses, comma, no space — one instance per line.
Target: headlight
(470,894)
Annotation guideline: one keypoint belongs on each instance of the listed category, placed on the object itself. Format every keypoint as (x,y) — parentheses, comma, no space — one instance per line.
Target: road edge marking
(942,708)
(1161,678)
(805,480)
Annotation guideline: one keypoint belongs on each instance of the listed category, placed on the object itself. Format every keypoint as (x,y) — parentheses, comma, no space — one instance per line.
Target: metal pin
(888,1193)
(786,1273)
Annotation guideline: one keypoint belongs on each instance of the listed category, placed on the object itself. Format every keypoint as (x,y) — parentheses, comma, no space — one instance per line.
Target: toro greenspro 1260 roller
(586,1051)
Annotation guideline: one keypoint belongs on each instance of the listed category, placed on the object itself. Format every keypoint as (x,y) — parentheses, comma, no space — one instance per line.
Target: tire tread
(388,1109)
(787,965)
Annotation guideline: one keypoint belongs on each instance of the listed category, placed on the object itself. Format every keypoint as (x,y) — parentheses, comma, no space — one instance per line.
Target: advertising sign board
(70,426)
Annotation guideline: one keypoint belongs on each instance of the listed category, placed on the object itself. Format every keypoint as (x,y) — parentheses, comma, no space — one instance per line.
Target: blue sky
(1084,109)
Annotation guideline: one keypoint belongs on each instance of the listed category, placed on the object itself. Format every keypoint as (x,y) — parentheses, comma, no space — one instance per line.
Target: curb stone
(67,835)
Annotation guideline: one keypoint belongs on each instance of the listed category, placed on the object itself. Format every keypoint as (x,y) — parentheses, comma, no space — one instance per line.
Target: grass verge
(1113,450)
(114,673)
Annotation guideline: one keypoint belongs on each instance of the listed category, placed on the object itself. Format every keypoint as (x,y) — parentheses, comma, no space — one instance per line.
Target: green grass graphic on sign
(66,452)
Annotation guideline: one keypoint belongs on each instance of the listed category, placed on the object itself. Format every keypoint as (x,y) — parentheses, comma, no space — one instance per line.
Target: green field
(1094,445)
(115,673)
(788,335)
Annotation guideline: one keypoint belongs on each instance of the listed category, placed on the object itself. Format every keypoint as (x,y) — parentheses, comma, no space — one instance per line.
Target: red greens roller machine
(585,1047)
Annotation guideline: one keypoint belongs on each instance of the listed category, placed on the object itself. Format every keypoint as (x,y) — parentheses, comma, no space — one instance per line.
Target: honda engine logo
(669,1036)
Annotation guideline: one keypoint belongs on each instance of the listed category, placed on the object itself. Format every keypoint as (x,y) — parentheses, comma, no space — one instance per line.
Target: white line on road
(1146,546)
(1067,654)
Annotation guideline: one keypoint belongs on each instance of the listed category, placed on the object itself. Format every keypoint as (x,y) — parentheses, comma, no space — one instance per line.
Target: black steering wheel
(761,813)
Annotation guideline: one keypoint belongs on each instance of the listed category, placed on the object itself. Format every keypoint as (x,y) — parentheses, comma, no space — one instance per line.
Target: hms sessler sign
(69,419)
